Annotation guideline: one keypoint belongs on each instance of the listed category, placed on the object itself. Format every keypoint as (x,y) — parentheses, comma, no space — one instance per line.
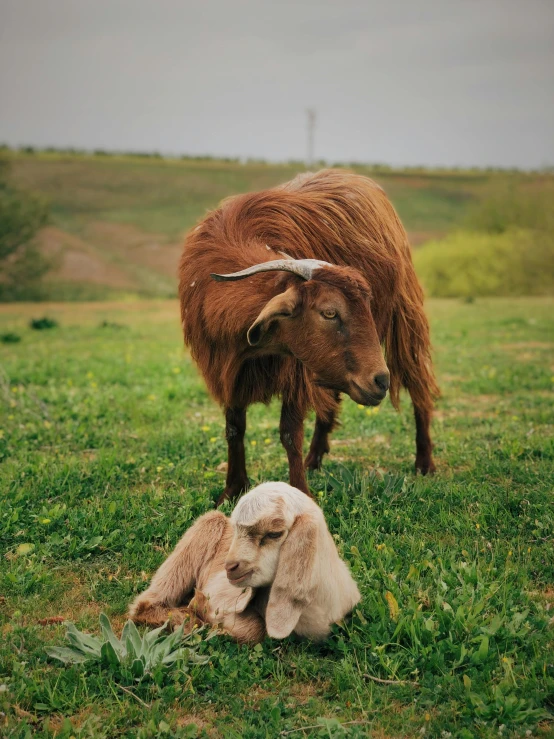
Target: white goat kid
(272,567)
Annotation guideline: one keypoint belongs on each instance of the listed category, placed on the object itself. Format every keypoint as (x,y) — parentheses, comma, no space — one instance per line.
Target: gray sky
(447,82)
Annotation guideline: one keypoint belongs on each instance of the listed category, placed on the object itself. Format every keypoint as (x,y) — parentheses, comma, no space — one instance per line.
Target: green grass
(109,450)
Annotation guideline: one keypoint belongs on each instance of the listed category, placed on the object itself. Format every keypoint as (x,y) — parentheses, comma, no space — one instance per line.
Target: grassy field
(118,222)
(109,448)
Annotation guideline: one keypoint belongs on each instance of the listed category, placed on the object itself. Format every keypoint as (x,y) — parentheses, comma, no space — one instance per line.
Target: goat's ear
(294,584)
(280,307)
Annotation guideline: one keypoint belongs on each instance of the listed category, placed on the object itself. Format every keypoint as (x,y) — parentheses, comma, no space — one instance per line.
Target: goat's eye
(329,313)
(273,535)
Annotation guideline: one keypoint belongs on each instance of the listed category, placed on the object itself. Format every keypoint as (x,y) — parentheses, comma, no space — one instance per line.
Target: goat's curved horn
(304,268)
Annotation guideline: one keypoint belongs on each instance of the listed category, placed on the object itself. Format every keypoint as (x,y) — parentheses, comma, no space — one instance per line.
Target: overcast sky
(437,82)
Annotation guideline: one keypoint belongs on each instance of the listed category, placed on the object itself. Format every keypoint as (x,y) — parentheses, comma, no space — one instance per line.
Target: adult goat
(328,279)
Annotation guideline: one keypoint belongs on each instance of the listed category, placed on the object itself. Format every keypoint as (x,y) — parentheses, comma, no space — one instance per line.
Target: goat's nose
(231,566)
(382,380)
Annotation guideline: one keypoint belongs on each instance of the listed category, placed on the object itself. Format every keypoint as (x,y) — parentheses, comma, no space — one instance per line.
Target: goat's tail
(408,347)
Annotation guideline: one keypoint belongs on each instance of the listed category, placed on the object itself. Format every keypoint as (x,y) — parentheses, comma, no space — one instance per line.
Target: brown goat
(330,280)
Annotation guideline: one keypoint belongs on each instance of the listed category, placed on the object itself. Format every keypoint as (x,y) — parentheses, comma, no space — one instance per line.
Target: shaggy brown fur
(344,219)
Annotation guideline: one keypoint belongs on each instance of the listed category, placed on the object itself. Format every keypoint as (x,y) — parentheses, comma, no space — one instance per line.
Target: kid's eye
(274,535)
(329,314)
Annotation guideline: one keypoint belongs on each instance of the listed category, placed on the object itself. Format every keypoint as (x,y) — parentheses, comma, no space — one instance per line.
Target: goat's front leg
(292,437)
(235,428)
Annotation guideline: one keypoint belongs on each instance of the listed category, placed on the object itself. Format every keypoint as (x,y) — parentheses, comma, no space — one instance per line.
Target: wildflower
(360,405)
(510,553)
(176,370)
(159,469)
(213,438)
(205,428)
(253,442)
(151,397)
(45,521)
(477,526)
(267,441)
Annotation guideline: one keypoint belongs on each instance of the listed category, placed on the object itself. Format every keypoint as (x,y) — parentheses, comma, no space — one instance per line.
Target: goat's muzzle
(370,394)
(236,572)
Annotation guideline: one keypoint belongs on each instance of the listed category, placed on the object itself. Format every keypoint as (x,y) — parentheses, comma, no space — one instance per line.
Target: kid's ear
(278,308)
(294,586)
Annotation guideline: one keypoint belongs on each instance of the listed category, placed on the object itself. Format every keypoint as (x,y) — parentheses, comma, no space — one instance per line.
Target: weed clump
(10,338)
(40,324)
(132,658)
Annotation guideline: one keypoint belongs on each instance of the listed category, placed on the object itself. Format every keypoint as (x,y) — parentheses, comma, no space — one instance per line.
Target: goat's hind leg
(291,430)
(176,578)
(325,422)
(237,480)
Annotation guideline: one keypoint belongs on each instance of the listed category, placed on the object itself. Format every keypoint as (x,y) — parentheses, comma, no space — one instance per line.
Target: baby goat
(271,568)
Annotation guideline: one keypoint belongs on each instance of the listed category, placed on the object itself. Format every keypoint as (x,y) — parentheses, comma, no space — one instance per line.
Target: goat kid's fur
(297,583)
(338,217)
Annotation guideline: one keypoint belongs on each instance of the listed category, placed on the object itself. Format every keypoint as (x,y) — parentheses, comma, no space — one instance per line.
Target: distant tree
(21,216)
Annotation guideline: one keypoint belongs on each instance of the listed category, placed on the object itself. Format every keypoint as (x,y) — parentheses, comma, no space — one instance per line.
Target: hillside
(118,221)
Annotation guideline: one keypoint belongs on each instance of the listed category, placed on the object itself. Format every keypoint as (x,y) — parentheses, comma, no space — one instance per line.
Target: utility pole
(311,116)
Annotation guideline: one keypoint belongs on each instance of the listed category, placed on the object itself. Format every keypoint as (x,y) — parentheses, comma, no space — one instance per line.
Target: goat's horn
(304,268)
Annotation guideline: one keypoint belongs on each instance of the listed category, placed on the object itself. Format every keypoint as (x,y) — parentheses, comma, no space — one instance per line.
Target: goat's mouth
(238,580)
(365,397)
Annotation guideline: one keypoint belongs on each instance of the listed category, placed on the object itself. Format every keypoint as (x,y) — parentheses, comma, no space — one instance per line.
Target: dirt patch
(77,261)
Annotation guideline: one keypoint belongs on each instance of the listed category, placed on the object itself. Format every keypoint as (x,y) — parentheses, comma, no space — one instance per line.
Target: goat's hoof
(231,492)
(313,461)
(425,466)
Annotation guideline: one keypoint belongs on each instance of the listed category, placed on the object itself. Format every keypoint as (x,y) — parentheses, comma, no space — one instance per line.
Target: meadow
(110,447)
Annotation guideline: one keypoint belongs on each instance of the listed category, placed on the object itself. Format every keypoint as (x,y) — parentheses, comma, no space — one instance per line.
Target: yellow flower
(510,553)
(151,397)
(159,469)
(360,405)
(14,389)
(90,375)
(477,526)
(267,441)
(93,384)
(205,428)
(427,716)
(213,438)
(253,443)
(44,521)
(176,370)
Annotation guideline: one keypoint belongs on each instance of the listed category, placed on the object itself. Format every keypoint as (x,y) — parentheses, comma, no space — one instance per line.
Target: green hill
(118,222)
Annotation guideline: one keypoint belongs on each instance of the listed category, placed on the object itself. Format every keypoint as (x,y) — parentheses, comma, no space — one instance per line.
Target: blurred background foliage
(505,249)
(21,216)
